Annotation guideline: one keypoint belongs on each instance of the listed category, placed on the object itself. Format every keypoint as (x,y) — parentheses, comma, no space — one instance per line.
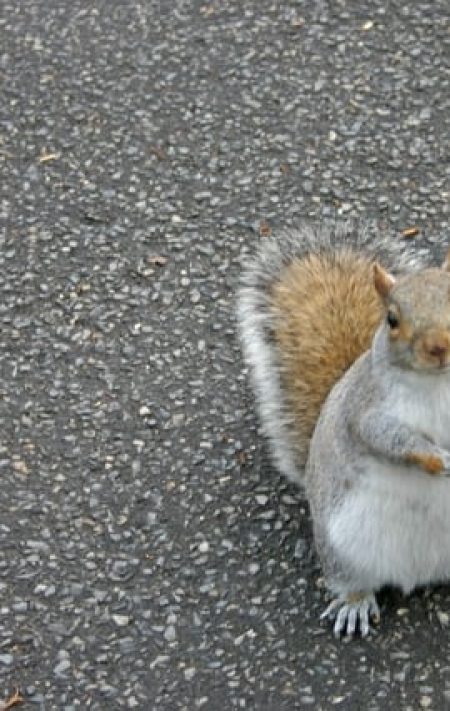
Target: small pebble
(443,617)
(189,673)
(170,634)
(62,667)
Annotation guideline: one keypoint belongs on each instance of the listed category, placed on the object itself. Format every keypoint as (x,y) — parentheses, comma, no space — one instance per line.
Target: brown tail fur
(326,311)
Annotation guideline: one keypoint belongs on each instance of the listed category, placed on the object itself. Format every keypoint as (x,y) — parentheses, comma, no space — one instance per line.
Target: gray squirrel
(350,364)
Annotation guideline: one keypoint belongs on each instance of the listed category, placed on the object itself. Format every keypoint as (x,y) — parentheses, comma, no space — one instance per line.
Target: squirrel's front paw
(438,463)
(352,612)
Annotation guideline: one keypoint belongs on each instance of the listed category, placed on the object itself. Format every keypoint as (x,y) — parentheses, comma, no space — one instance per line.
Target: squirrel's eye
(393,320)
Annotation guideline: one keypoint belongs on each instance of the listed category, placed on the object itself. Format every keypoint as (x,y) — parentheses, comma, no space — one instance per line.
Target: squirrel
(346,334)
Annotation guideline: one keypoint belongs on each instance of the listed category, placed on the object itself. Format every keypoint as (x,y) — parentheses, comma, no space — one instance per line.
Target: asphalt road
(150,557)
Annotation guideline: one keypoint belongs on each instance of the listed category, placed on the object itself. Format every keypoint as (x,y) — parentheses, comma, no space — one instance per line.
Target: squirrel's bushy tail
(306,310)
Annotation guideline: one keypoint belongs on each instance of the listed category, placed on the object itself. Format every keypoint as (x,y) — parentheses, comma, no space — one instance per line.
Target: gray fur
(256,319)
(359,429)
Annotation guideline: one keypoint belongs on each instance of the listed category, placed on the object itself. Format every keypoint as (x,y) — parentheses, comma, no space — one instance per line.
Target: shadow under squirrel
(350,364)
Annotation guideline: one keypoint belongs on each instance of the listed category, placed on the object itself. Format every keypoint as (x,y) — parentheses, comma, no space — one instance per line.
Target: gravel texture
(150,557)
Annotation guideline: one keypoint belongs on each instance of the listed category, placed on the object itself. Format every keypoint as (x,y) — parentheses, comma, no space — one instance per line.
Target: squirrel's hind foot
(351,613)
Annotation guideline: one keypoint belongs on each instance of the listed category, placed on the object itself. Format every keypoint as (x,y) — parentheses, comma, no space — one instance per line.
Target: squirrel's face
(417,318)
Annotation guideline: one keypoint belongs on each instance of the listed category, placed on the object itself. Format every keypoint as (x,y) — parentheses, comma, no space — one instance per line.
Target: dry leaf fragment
(13,700)
(47,157)
(410,232)
(159,152)
(264,229)
(157,259)
(241,458)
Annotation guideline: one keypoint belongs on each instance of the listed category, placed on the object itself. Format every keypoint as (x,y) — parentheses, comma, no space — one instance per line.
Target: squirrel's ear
(382,280)
(446,264)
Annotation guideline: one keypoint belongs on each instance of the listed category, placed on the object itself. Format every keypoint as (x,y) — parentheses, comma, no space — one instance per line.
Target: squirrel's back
(307,309)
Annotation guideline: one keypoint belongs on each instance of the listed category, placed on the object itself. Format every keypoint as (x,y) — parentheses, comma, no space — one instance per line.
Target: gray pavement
(150,556)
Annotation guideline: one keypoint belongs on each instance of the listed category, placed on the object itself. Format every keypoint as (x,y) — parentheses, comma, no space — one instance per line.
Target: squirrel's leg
(351,612)
(386,435)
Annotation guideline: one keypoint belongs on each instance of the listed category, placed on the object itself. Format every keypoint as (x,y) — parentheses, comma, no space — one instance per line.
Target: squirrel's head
(417,320)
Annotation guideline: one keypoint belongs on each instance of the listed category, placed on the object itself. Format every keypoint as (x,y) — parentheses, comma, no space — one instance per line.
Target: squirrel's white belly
(394,525)
(394,528)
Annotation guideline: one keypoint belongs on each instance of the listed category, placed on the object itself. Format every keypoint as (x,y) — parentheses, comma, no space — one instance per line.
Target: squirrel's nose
(438,350)
(436,344)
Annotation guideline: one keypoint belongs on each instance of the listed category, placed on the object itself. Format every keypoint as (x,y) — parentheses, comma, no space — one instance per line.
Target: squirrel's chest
(425,408)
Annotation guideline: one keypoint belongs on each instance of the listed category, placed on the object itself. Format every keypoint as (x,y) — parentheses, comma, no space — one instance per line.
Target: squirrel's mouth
(438,365)
(433,368)
(432,350)
(430,360)
(427,367)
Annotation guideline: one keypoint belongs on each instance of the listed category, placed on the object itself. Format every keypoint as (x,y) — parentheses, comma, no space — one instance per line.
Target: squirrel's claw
(352,612)
(446,461)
